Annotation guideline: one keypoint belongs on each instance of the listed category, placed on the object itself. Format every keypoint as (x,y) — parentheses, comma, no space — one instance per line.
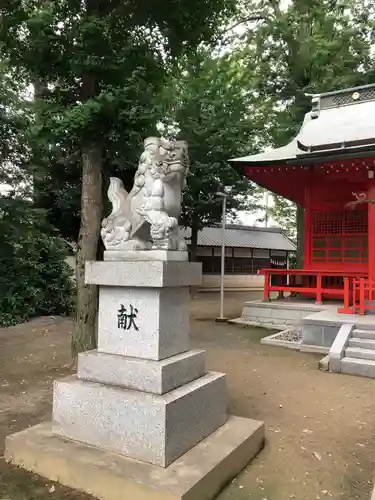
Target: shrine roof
(240,236)
(339,123)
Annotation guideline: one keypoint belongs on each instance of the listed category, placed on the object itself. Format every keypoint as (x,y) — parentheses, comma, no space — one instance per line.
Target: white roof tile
(244,237)
(342,121)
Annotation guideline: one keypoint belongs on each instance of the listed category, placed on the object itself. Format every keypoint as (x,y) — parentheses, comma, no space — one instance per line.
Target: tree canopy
(208,104)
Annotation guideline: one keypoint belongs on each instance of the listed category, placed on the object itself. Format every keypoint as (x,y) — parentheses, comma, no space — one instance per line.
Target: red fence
(310,283)
(359,296)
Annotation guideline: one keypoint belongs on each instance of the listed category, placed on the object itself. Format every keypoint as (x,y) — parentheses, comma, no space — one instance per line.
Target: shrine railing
(314,283)
(359,296)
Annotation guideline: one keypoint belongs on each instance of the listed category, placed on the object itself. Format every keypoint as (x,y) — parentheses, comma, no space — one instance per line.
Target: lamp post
(223,193)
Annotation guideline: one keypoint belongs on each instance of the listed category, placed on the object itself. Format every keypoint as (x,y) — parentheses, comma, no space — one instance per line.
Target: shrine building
(329,170)
(247,250)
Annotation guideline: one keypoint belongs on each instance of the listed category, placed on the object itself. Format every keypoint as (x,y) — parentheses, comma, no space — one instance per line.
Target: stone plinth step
(363,343)
(359,353)
(359,367)
(157,377)
(200,474)
(147,427)
(363,334)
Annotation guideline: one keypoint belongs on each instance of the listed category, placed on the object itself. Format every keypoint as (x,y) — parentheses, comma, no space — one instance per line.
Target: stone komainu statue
(147,217)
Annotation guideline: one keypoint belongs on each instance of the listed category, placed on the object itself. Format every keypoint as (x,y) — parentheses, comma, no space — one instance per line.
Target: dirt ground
(320,426)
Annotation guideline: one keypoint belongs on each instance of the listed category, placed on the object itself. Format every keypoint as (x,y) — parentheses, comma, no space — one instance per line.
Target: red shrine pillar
(371,230)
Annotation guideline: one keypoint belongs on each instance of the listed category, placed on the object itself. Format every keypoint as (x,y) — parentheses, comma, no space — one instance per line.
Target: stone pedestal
(143,394)
(118,401)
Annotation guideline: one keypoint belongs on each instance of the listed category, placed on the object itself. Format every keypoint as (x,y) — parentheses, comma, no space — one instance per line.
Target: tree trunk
(84,334)
(300,236)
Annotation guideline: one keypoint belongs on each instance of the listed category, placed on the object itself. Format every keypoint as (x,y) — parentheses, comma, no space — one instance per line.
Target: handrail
(311,272)
(359,296)
(313,283)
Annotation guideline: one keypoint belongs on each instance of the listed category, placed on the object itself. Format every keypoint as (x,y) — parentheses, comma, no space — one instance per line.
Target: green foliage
(309,46)
(276,209)
(14,118)
(35,278)
(99,68)
(99,63)
(284,212)
(208,105)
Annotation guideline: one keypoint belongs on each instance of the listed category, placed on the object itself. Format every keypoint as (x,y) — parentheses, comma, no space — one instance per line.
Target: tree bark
(84,334)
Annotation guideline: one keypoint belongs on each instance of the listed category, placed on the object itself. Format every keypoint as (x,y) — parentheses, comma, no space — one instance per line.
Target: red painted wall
(336,236)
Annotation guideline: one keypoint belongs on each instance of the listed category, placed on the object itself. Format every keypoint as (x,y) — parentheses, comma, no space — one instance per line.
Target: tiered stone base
(200,474)
(142,419)
(153,428)
(157,377)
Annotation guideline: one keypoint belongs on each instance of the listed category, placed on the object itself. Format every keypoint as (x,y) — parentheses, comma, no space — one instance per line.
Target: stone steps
(359,356)
(363,334)
(360,353)
(362,343)
(359,367)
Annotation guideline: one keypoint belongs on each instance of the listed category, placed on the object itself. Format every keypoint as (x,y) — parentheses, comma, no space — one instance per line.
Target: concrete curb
(265,326)
(272,340)
(295,346)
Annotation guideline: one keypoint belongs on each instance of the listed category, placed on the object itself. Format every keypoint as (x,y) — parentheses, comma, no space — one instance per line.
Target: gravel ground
(293,335)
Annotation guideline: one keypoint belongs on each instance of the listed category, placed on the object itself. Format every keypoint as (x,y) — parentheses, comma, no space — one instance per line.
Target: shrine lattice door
(339,239)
